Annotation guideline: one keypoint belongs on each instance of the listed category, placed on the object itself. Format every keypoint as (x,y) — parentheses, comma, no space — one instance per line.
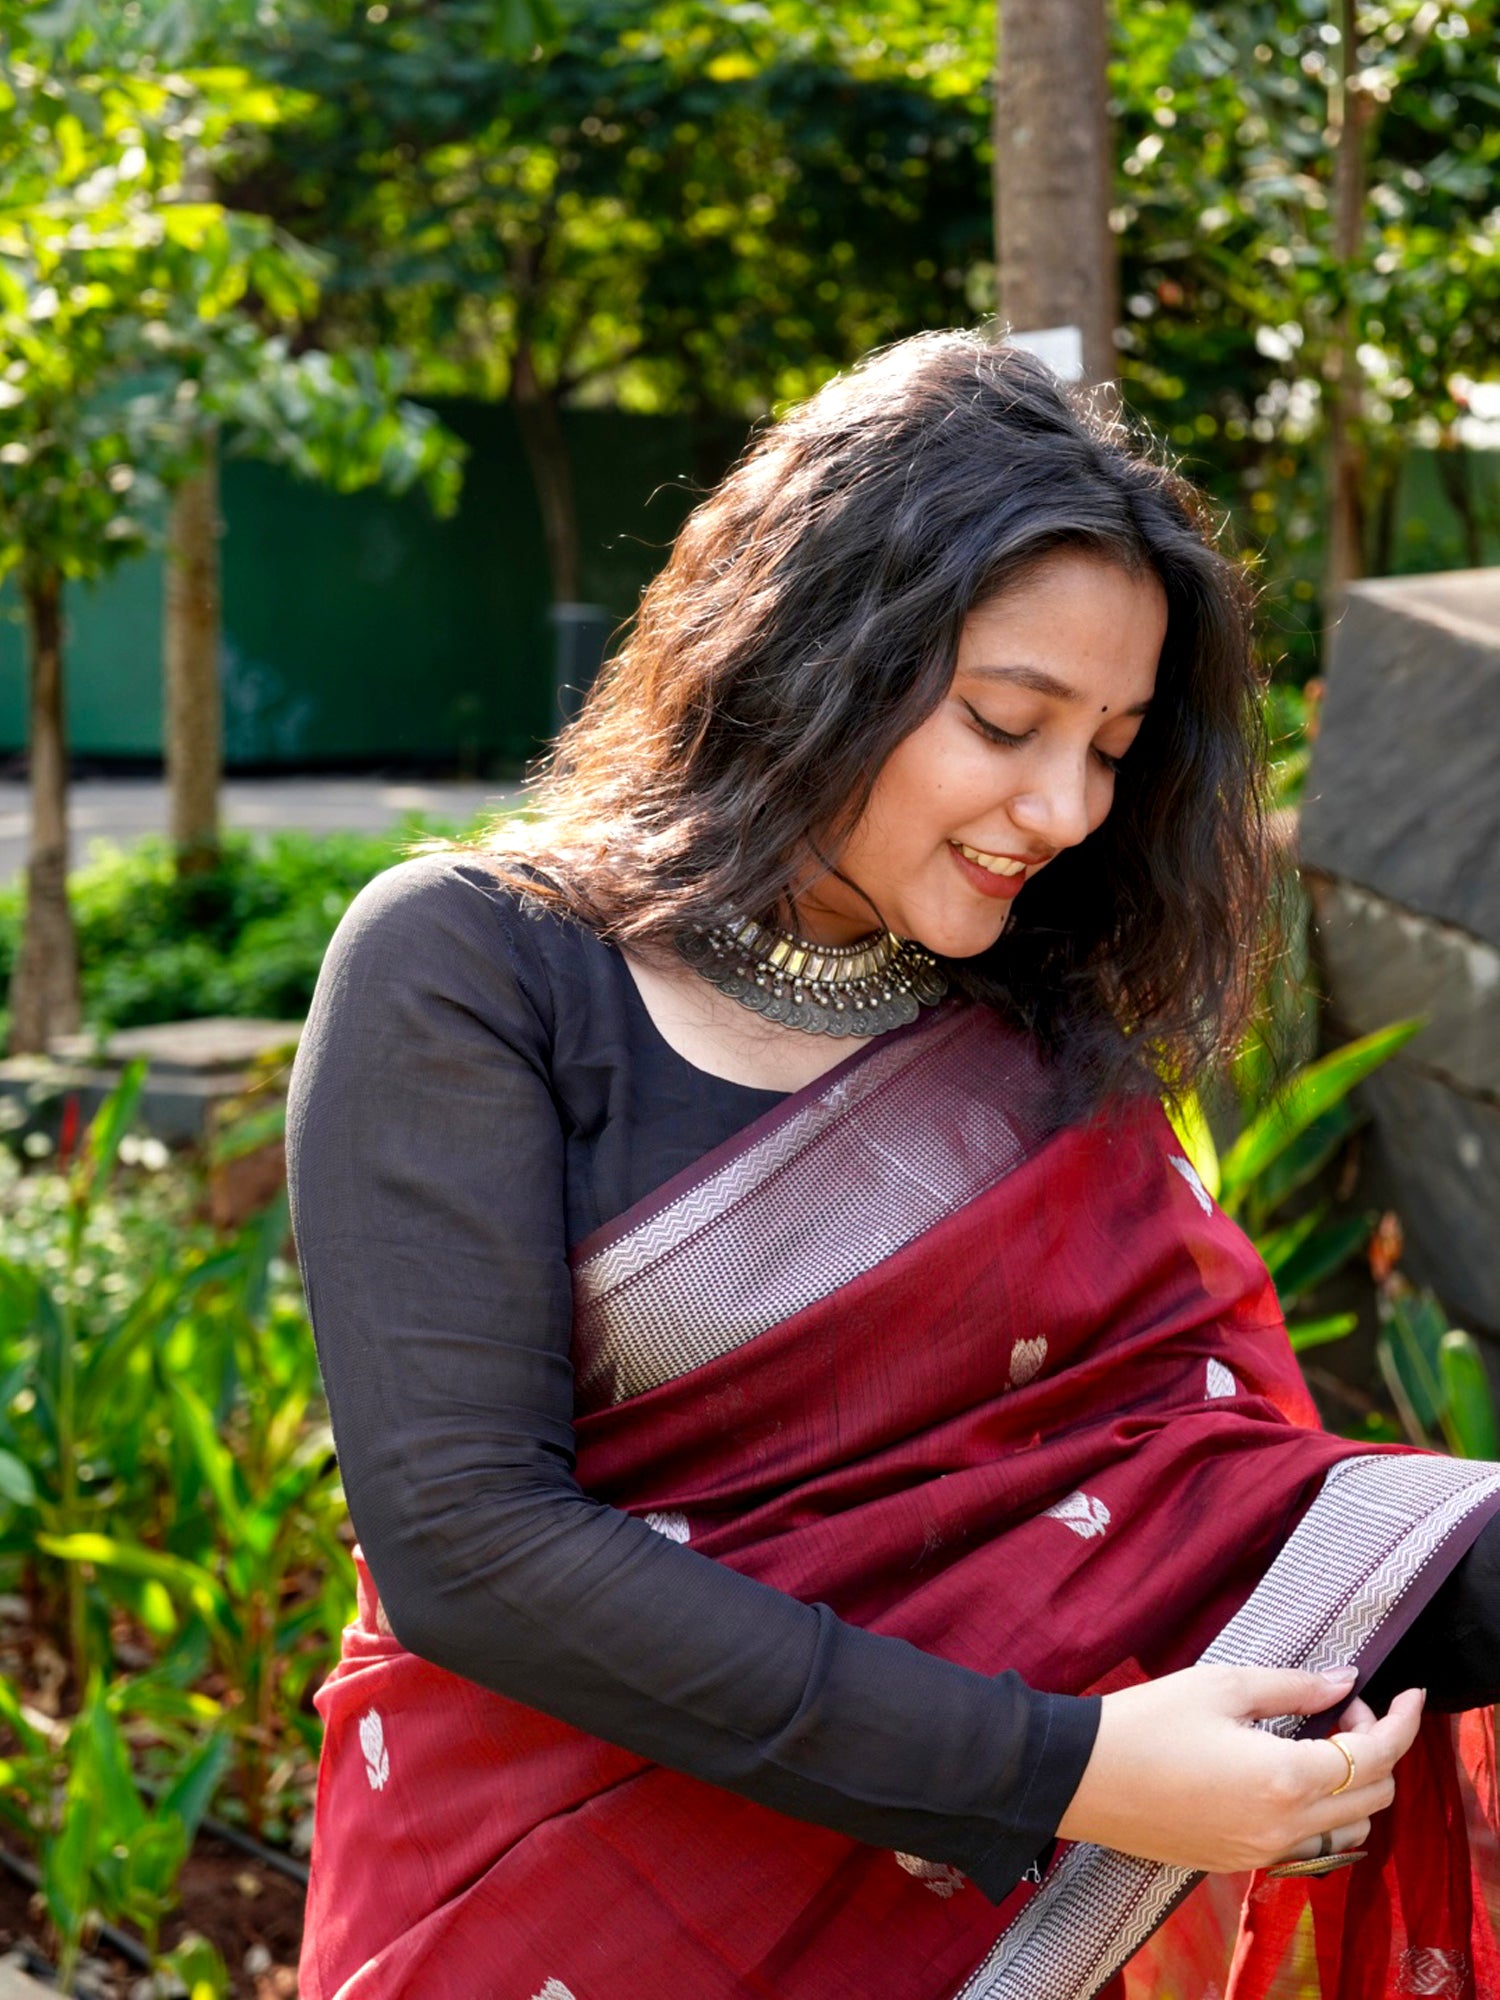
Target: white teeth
(997,864)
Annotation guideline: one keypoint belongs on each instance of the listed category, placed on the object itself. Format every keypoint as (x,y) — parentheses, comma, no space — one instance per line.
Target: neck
(816,922)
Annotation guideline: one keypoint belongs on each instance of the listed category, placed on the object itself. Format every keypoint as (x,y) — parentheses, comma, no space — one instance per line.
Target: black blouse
(478,1088)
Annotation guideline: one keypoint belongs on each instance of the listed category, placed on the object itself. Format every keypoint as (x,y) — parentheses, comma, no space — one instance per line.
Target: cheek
(1101,796)
(918,783)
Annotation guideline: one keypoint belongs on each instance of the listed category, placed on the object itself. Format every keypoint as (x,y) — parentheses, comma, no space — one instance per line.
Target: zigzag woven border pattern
(860,1171)
(1373,1529)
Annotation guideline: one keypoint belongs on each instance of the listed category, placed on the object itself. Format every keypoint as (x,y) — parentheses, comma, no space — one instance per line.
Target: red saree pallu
(1011,1390)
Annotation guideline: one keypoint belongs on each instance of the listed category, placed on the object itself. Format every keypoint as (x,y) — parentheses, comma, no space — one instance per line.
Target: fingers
(1265,1691)
(1342,1839)
(1373,1747)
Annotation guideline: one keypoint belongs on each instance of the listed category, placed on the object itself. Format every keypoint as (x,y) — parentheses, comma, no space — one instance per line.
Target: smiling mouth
(993,864)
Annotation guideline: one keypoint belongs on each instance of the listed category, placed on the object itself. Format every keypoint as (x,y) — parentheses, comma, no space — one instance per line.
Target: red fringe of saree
(1020,1395)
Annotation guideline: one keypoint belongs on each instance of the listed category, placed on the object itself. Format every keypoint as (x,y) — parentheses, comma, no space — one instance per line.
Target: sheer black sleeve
(426,1160)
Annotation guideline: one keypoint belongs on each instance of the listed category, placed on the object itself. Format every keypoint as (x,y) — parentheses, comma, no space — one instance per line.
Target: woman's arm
(427,1184)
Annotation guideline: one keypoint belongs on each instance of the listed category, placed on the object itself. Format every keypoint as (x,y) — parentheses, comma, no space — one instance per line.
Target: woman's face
(1014,764)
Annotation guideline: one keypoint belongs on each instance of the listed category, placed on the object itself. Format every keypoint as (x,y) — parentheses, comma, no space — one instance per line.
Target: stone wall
(1400,843)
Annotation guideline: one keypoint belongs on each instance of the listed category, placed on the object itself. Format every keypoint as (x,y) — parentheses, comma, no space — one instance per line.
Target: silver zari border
(1375,1525)
(866,1166)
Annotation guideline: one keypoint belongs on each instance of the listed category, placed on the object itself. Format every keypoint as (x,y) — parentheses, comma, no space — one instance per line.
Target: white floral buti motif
(1026,1360)
(1221,1380)
(1083,1512)
(673,1526)
(1434,1971)
(938,1876)
(372,1742)
(553,1989)
(1189,1173)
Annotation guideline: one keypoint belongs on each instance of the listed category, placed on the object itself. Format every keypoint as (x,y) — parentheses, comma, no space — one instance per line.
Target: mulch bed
(251,1913)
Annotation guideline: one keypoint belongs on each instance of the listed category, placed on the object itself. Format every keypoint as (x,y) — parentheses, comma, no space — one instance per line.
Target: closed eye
(996,735)
(992,733)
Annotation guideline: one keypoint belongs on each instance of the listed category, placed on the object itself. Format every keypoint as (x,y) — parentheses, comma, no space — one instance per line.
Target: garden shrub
(246,938)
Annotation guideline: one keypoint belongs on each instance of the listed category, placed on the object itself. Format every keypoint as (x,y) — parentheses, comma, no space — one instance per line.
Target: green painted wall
(360,629)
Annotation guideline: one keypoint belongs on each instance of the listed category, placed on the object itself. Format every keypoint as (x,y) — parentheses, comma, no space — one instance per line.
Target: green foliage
(1289,1130)
(246,938)
(167,1450)
(137,314)
(108,1851)
(1233,281)
(1435,1373)
(703,207)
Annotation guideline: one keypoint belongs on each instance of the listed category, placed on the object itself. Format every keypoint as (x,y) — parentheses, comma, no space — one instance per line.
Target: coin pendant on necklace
(878,983)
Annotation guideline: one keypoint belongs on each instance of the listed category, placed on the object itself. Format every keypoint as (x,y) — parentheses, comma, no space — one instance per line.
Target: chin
(959,938)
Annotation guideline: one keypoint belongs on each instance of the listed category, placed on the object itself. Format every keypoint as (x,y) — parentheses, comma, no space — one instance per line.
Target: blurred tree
(704,207)
(1293,333)
(185,33)
(1054,173)
(132,322)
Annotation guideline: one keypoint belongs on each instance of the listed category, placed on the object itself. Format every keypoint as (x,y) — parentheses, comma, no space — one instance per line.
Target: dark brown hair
(808,619)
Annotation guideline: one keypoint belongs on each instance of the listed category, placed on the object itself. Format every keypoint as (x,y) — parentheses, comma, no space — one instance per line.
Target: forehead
(1079,620)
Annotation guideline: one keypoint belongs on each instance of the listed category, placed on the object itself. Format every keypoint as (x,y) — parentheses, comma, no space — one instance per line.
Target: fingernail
(1341,1673)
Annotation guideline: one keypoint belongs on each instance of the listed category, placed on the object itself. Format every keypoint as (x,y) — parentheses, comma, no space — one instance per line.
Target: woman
(813,1441)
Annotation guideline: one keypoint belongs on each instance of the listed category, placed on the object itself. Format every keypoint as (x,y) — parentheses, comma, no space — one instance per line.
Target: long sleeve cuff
(1060,1740)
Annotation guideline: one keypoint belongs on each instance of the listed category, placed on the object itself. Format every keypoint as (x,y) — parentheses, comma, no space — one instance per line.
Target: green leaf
(1469,1416)
(16,1482)
(215,1461)
(192,1791)
(1277,1245)
(68,1866)
(1305,1333)
(156,1853)
(1310,1093)
(1305,1158)
(198,1966)
(107,1763)
(1197,1140)
(1324,1252)
(112,1120)
(185,1579)
(1413,1325)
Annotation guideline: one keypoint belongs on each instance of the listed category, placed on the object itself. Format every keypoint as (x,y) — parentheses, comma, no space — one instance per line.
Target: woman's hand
(1177,1774)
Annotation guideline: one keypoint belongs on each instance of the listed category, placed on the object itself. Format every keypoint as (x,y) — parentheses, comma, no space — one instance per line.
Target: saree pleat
(1010,1389)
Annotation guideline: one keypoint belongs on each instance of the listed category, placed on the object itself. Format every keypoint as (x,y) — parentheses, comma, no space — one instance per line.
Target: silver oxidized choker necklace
(878,982)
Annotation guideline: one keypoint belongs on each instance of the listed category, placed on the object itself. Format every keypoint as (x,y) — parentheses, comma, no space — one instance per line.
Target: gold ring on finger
(1348,1777)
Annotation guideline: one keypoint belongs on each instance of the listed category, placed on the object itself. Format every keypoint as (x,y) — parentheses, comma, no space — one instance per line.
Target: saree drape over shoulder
(1013,1391)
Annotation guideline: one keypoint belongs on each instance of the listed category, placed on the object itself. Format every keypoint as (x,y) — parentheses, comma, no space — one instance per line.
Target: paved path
(121,809)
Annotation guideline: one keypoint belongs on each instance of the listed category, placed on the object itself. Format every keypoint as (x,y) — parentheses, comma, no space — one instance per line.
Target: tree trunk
(44,985)
(193,722)
(1454,476)
(540,423)
(1343,560)
(1054,174)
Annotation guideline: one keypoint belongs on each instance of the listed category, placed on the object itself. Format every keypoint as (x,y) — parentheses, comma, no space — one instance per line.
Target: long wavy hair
(808,619)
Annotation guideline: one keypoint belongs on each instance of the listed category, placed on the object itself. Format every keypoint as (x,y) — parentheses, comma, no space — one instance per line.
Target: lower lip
(1002,887)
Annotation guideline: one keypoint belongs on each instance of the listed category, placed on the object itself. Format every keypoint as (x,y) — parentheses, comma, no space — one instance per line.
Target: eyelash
(1003,736)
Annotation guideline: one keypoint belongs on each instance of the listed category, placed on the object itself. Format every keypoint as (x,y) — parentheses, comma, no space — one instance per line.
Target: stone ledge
(193,1066)
(1385,963)
(1438,1161)
(1401,794)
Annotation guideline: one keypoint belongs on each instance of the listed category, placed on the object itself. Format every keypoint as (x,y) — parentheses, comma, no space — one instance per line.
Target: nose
(1054,806)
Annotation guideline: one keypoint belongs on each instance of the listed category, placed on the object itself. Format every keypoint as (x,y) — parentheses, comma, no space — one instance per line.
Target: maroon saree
(1015,1392)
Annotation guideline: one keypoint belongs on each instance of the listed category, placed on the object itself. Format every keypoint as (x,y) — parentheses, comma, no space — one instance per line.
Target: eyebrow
(1041,682)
